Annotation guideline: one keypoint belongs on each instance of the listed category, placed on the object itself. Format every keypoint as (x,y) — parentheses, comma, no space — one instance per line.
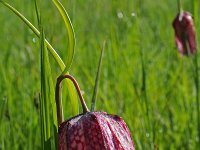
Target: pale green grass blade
(2,109)
(196,63)
(31,26)
(69,55)
(195,11)
(97,79)
(70,88)
(49,91)
(46,92)
(37,11)
(71,35)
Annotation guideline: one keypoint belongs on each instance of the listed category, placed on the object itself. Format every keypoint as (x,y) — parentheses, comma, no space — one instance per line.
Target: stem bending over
(60,117)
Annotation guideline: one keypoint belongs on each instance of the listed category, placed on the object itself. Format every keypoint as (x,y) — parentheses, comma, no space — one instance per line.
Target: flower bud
(95,131)
(184,33)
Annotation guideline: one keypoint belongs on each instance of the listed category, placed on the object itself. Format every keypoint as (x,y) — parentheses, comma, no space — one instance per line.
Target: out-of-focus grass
(129,28)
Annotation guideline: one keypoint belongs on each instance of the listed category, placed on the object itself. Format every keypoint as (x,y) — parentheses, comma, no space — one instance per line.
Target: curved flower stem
(57,97)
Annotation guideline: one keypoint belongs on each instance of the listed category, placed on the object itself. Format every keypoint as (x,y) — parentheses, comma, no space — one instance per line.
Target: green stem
(180,9)
(57,97)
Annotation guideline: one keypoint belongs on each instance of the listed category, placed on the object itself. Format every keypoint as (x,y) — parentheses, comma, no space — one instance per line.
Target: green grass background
(160,112)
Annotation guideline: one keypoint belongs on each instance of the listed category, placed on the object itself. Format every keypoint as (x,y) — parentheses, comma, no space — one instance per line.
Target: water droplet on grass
(133,14)
(34,40)
(120,15)
(197,139)
(160,130)
(147,135)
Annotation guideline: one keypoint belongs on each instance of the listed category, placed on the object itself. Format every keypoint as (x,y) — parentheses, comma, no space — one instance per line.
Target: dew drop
(120,15)
(34,40)
(147,135)
(133,14)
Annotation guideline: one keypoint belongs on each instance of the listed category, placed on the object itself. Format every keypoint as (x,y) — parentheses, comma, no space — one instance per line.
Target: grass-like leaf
(71,35)
(47,90)
(97,79)
(195,11)
(196,64)
(71,90)
(47,103)
(69,53)
(35,30)
(2,108)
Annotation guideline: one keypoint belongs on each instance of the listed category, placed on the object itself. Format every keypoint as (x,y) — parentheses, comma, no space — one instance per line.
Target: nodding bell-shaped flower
(95,131)
(184,33)
(91,130)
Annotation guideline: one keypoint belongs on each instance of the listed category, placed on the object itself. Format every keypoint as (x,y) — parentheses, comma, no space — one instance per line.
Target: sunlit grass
(129,28)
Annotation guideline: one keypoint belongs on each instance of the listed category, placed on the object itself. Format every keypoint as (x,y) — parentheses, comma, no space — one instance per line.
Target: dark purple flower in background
(184,33)
(95,131)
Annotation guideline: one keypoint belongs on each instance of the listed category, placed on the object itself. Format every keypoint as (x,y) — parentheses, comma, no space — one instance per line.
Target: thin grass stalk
(143,87)
(37,33)
(143,97)
(45,101)
(41,124)
(42,119)
(69,54)
(196,77)
(2,109)
(37,11)
(64,68)
(196,80)
(71,34)
(144,91)
(146,100)
(94,97)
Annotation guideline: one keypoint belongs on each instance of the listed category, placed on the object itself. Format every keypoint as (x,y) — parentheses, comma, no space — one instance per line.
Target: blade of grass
(195,11)
(196,76)
(37,33)
(71,35)
(71,90)
(97,79)
(46,92)
(70,54)
(2,109)
(37,11)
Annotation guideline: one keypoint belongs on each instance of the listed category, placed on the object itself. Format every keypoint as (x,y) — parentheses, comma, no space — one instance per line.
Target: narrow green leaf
(47,91)
(69,55)
(2,108)
(45,88)
(195,11)
(37,11)
(71,35)
(196,76)
(28,23)
(70,88)
(97,79)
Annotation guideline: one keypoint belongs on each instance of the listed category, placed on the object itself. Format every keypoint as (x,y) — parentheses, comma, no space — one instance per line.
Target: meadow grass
(143,78)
